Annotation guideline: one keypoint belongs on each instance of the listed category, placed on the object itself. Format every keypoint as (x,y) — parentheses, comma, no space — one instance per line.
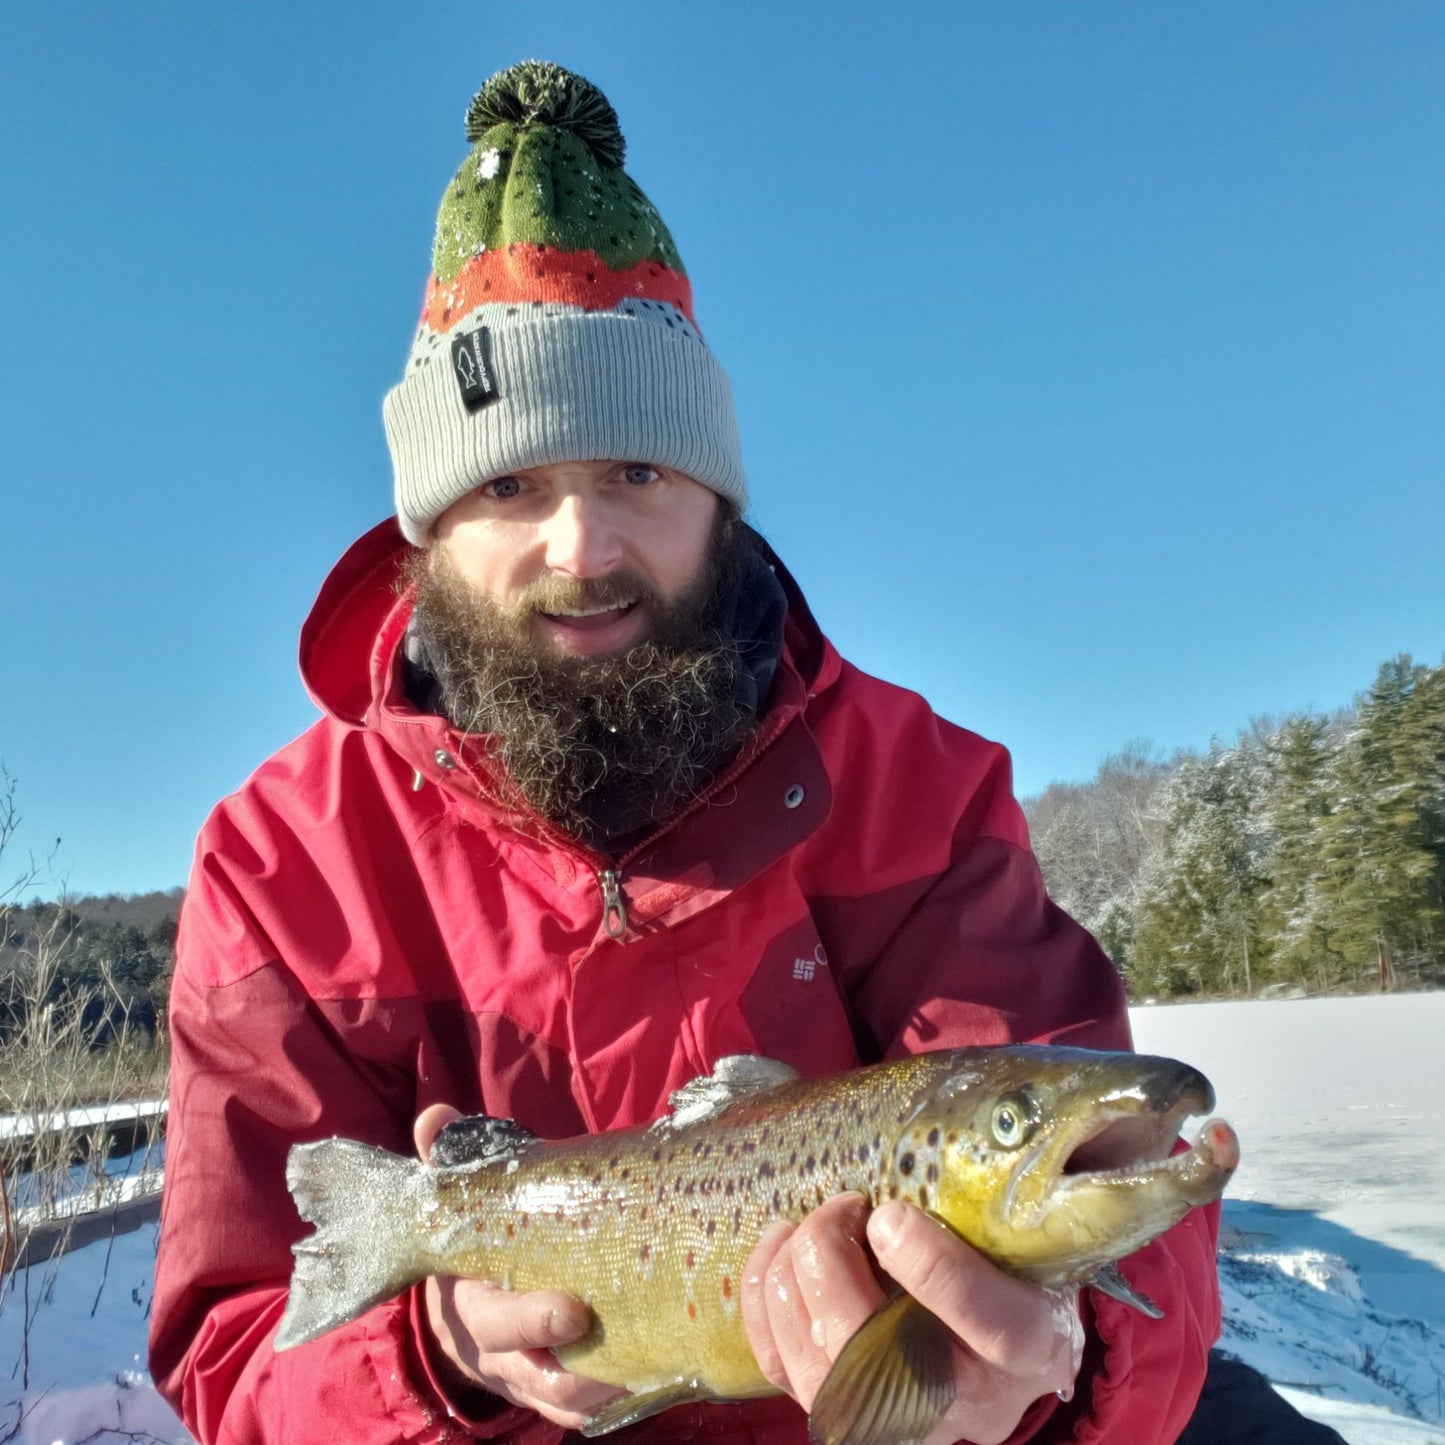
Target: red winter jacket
(366,934)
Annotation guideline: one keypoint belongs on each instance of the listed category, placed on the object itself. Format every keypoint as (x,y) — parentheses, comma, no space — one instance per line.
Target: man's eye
(638,474)
(502,487)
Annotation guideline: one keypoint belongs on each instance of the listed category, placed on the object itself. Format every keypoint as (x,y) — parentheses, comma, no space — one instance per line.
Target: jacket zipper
(614,905)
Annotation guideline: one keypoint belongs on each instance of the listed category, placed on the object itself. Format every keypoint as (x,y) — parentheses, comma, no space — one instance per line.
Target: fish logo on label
(472,363)
(805,968)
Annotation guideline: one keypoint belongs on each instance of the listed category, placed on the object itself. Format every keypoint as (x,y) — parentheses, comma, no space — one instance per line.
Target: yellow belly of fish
(666,1305)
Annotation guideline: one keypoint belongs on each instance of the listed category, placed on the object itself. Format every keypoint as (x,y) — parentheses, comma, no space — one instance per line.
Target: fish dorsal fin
(1107,1280)
(480,1139)
(738,1076)
(892,1382)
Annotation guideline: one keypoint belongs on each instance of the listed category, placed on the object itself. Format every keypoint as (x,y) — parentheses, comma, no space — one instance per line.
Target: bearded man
(592,804)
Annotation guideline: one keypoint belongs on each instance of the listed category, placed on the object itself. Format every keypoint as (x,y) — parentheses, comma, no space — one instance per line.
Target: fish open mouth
(1215,1150)
(1132,1139)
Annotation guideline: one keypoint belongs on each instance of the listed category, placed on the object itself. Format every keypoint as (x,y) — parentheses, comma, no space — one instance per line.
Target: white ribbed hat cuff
(579,386)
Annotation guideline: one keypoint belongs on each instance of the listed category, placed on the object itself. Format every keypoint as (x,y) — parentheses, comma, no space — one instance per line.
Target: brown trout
(651,1227)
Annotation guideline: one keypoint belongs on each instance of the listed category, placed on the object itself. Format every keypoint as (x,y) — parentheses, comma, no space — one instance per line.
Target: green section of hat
(546,170)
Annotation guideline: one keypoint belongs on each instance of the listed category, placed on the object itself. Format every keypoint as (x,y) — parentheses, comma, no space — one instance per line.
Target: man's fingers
(834,1277)
(503,1342)
(499,1321)
(429,1123)
(1005,1322)
(805,1291)
(754,1302)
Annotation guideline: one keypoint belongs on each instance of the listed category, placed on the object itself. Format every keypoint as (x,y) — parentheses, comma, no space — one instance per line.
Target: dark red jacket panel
(366,932)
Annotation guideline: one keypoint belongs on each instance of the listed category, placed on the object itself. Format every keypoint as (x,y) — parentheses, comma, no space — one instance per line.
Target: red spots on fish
(511,1230)
(689,1262)
(645,1253)
(691,1310)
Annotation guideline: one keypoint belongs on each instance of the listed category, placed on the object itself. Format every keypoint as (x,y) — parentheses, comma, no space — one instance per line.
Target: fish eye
(1012,1121)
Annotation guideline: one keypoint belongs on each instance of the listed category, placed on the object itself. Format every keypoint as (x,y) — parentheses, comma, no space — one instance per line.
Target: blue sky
(1088,357)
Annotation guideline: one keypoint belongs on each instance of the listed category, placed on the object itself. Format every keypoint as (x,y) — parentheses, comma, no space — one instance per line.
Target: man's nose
(581,540)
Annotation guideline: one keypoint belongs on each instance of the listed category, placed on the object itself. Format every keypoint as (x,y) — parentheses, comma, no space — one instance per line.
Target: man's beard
(600,747)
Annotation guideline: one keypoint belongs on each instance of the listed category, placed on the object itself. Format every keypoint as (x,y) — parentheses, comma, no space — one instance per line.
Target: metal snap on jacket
(445,759)
(793,796)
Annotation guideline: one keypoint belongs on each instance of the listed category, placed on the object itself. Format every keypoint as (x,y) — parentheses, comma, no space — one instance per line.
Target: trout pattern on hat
(557,324)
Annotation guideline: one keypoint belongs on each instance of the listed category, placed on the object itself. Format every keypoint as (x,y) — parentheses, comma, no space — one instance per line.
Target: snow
(1332,1258)
(90,1116)
(1332,1254)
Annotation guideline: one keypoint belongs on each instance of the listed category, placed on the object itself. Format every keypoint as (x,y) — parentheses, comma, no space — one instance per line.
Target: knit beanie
(558,318)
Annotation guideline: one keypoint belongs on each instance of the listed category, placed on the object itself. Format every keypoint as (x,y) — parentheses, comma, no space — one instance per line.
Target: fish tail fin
(365,1204)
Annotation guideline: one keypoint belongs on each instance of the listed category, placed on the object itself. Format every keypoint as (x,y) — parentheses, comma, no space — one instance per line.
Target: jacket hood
(350,640)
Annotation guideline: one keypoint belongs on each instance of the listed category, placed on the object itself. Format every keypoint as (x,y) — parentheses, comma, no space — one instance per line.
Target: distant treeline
(1310,852)
(113,955)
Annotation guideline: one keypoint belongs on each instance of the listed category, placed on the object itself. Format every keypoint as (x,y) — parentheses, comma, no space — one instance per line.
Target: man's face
(582,556)
(582,615)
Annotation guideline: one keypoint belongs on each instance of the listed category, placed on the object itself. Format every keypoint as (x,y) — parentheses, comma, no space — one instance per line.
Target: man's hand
(483,1337)
(807,1289)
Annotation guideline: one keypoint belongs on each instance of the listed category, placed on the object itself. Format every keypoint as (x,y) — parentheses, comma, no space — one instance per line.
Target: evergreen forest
(1308,855)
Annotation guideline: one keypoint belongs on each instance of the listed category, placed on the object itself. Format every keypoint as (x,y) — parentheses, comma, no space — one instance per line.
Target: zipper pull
(614,905)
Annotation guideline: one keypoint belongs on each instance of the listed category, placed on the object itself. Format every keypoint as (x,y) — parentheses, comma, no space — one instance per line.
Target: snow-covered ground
(1333,1258)
(1333,1249)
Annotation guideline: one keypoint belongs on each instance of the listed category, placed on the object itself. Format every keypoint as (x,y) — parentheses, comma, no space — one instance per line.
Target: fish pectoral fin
(629,1409)
(892,1382)
(738,1076)
(1107,1280)
(479,1139)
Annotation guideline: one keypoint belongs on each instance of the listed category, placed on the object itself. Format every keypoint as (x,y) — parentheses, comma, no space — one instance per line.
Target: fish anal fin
(1107,1280)
(479,1139)
(629,1409)
(892,1382)
(738,1076)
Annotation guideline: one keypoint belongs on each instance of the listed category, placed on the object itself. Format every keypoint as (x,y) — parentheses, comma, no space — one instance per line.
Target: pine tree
(1301,759)
(1197,928)
(1380,849)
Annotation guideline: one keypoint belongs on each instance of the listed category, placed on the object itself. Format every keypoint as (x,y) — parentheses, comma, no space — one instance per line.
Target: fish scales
(656,1228)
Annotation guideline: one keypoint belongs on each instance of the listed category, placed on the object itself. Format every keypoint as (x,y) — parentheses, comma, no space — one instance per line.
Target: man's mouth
(589,618)
(593,630)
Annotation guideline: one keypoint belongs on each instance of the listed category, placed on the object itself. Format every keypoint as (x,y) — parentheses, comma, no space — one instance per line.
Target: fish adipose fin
(629,1409)
(738,1076)
(892,1382)
(1107,1280)
(365,1203)
(480,1139)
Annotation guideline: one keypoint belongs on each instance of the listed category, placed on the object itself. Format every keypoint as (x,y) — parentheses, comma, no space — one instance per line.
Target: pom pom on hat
(558,320)
(536,92)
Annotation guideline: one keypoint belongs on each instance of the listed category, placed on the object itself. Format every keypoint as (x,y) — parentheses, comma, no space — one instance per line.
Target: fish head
(1054,1161)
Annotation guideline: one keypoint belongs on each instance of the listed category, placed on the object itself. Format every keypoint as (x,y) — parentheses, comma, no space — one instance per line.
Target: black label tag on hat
(472,367)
